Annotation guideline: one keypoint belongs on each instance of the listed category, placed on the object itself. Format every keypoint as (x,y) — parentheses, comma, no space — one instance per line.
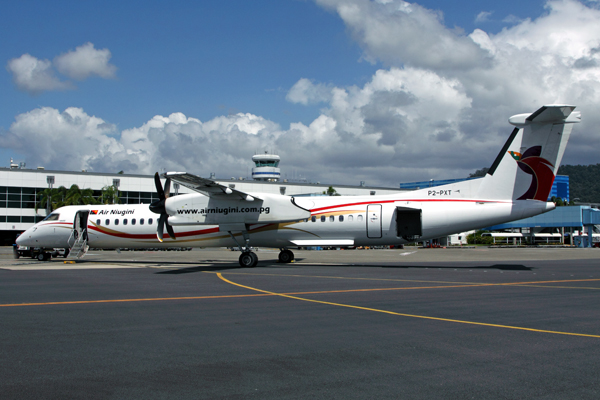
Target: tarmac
(413,323)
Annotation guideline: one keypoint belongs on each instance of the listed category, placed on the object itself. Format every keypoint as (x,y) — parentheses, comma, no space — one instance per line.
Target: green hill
(584,182)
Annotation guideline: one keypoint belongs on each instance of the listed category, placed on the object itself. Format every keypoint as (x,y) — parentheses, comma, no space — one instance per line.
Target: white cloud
(85,61)
(34,76)
(401,33)
(418,118)
(483,16)
(306,92)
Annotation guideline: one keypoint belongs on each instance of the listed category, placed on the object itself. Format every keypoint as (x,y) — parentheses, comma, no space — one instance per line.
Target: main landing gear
(249,259)
(286,256)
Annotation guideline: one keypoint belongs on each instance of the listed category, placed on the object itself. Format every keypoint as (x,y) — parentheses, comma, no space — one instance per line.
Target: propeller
(158,207)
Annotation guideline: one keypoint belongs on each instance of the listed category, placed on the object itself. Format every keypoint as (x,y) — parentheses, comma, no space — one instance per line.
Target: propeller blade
(159,188)
(167,188)
(161,224)
(170,230)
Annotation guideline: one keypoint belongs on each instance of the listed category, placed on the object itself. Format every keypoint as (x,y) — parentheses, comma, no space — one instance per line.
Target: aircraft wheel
(42,256)
(248,259)
(286,256)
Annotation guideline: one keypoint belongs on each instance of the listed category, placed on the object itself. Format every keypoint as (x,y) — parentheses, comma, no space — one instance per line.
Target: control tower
(266,167)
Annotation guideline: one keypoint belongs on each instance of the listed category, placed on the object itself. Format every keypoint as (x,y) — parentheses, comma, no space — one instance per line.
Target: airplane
(516,186)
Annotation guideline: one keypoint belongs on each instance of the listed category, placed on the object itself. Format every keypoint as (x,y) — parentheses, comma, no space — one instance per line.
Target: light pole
(116,184)
(50,182)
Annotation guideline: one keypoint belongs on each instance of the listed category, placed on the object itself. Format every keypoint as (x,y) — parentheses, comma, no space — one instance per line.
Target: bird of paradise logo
(541,171)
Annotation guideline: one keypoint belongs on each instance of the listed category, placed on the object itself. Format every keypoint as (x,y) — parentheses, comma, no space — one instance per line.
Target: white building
(20,190)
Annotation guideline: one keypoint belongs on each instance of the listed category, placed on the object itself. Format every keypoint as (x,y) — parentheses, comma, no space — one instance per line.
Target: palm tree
(76,196)
(51,199)
(110,195)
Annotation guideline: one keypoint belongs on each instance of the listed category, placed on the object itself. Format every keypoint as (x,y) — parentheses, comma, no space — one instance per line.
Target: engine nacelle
(197,209)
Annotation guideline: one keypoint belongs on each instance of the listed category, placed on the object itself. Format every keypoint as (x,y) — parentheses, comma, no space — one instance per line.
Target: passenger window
(132,221)
(141,221)
(322,218)
(149,221)
(341,218)
(125,221)
(360,217)
(107,222)
(313,218)
(116,221)
(97,222)
(350,218)
(331,218)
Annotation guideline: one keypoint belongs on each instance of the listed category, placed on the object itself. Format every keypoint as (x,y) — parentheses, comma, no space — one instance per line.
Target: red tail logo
(541,171)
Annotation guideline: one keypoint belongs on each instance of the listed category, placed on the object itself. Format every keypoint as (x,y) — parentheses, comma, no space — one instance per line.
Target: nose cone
(26,238)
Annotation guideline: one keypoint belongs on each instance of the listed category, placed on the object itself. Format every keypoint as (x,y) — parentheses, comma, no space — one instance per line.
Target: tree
(76,196)
(51,198)
(558,201)
(479,173)
(110,195)
(331,191)
(476,238)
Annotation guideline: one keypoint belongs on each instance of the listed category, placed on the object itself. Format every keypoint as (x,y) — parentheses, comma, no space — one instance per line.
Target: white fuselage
(338,220)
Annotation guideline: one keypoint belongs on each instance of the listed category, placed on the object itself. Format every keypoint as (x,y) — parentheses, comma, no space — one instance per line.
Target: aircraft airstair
(79,236)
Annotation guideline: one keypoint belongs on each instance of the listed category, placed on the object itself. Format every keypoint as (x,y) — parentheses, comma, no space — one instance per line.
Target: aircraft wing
(207,187)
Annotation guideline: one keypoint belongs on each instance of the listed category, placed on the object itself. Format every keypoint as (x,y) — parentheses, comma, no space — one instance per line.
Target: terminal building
(21,189)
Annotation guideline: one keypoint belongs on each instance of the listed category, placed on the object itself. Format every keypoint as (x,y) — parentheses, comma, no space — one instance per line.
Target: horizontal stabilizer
(550,114)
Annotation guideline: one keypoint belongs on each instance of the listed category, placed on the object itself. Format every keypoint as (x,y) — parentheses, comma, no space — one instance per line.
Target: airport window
(359,218)
(13,218)
(97,222)
(125,221)
(14,197)
(149,221)
(322,218)
(341,218)
(116,221)
(14,204)
(2,204)
(313,218)
(2,218)
(107,222)
(141,221)
(331,218)
(27,219)
(132,221)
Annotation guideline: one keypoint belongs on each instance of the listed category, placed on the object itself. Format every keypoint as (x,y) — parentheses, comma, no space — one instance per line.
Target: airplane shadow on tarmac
(501,267)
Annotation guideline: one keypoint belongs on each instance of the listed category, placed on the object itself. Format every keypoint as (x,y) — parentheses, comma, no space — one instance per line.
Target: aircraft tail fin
(527,164)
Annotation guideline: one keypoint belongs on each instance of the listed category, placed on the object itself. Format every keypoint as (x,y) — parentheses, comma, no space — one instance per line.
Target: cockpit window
(52,217)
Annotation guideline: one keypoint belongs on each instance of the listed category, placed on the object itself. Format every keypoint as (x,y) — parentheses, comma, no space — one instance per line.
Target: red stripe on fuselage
(153,235)
(415,200)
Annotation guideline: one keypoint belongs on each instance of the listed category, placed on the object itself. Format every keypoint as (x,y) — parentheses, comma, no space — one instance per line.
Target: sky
(381,91)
